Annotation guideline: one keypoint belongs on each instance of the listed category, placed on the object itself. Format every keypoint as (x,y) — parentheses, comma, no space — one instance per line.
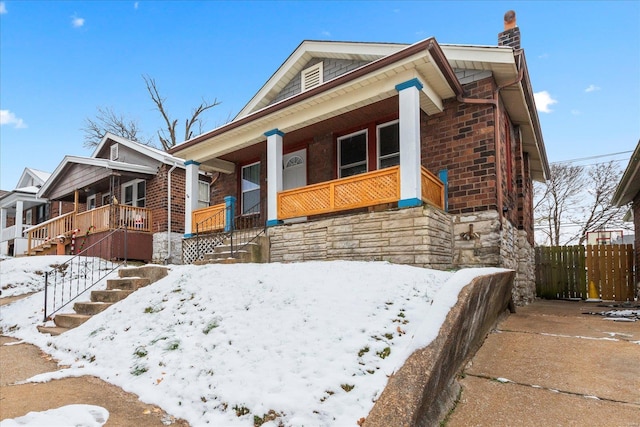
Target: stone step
(150,271)
(113,295)
(90,308)
(70,320)
(216,261)
(52,330)
(127,283)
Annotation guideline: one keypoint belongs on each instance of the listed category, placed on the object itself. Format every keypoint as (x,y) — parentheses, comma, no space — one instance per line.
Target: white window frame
(312,77)
(387,156)
(203,203)
(134,193)
(106,199)
(91,205)
(366,160)
(242,190)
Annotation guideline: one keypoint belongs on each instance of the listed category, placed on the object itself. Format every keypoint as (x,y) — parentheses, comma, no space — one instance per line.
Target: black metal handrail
(211,226)
(67,281)
(248,228)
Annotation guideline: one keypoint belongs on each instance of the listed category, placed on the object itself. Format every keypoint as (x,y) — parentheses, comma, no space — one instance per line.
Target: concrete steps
(130,279)
(253,252)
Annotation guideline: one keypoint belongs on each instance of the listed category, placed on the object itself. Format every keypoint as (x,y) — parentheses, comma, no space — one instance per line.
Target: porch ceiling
(347,93)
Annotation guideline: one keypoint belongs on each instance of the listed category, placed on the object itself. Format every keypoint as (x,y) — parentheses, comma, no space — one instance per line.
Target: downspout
(495,101)
(175,165)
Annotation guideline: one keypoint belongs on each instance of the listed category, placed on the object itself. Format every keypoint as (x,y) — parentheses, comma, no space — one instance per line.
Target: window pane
(128,195)
(251,202)
(353,149)
(353,170)
(390,161)
(142,194)
(251,177)
(389,140)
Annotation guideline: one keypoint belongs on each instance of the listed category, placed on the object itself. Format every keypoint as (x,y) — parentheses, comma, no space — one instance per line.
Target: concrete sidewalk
(551,365)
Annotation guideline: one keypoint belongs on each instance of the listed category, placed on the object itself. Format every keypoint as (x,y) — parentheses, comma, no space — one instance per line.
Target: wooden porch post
(410,172)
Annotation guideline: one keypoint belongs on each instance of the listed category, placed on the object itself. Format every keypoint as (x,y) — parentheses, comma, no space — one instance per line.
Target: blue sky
(60,60)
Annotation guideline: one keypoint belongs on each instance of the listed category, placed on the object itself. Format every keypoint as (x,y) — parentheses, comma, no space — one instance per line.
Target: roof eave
(629,185)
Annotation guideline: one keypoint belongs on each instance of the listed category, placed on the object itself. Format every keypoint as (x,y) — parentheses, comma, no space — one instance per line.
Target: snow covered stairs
(130,279)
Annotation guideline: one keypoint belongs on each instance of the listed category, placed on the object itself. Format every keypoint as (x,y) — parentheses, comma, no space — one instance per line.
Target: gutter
(175,165)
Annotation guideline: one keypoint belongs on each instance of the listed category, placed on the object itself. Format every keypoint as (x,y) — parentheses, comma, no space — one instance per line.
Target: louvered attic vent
(114,152)
(312,77)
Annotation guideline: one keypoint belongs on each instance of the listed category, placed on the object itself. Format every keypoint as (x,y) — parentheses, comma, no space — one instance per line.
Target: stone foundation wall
(495,242)
(416,236)
(160,248)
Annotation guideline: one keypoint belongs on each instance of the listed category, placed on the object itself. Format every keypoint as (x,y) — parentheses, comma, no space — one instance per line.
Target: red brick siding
(157,195)
(321,159)
(460,139)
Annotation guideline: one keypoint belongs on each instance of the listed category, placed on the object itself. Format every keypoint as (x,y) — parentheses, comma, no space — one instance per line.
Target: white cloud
(326,33)
(543,56)
(135,5)
(9,118)
(592,88)
(544,101)
(3,8)
(576,112)
(76,21)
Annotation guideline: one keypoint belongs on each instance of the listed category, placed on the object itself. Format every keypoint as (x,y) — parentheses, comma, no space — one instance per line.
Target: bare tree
(576,200)
(167,136)
(107,120)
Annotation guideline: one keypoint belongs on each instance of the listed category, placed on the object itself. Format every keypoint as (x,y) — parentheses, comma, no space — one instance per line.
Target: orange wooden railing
(432,189)
(363,190)
(92,221)
(211,218)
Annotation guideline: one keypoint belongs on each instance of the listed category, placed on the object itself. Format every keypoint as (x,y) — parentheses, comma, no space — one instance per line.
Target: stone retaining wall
(424,389)
(418,236)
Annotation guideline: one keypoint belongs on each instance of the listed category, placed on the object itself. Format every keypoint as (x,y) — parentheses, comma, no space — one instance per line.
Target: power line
(591,157)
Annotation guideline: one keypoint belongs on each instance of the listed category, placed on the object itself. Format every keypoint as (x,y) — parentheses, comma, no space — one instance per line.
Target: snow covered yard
(252,344)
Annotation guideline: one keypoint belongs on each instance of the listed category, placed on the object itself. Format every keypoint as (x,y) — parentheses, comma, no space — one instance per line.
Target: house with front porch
(20,209)
(124,185)
(420,154)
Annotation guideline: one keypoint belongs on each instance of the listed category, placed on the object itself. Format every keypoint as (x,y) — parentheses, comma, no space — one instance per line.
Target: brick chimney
(511,34)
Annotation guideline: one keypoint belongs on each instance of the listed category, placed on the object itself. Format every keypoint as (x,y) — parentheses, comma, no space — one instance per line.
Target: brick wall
(321,155)
(157,194)
(636,226)
(460,139)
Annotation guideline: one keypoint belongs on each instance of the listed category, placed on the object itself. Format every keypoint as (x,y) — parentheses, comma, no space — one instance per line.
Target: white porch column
(410,171)
(274,174)
(190,195)
(19,214)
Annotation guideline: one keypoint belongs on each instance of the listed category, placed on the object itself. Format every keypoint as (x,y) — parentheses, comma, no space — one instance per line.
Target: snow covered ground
(237,345)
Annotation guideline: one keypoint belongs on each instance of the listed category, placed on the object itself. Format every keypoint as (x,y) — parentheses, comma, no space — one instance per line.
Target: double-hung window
(203,194)
(134,193)
(352,154)
(251,189)
(388,144)
(91,202)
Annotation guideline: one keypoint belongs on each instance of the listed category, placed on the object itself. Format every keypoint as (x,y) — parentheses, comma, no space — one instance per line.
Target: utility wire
(591,157)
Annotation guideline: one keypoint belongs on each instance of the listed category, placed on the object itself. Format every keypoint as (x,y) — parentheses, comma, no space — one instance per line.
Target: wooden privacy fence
(570,272)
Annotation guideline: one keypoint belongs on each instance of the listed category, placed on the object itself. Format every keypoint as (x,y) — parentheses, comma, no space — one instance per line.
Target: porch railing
(363,190)
(43,233)
(67,281)
(95,220)
(9,233)
(432,189)
(209,219)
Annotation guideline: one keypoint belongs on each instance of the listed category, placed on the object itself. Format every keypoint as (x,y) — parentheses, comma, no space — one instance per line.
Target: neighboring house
(20,209)
(123,184)
(419,154)
(628,192)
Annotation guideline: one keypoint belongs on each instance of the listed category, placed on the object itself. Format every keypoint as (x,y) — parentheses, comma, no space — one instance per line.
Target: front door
(294,174)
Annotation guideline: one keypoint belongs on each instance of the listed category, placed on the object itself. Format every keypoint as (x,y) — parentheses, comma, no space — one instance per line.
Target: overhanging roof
(629,185)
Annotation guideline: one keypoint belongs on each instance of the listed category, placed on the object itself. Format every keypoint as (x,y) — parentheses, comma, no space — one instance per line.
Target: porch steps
(130,279)
(252,253)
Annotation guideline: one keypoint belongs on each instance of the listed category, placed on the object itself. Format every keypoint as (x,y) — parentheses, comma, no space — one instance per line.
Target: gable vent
(312,77)
(114,152)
